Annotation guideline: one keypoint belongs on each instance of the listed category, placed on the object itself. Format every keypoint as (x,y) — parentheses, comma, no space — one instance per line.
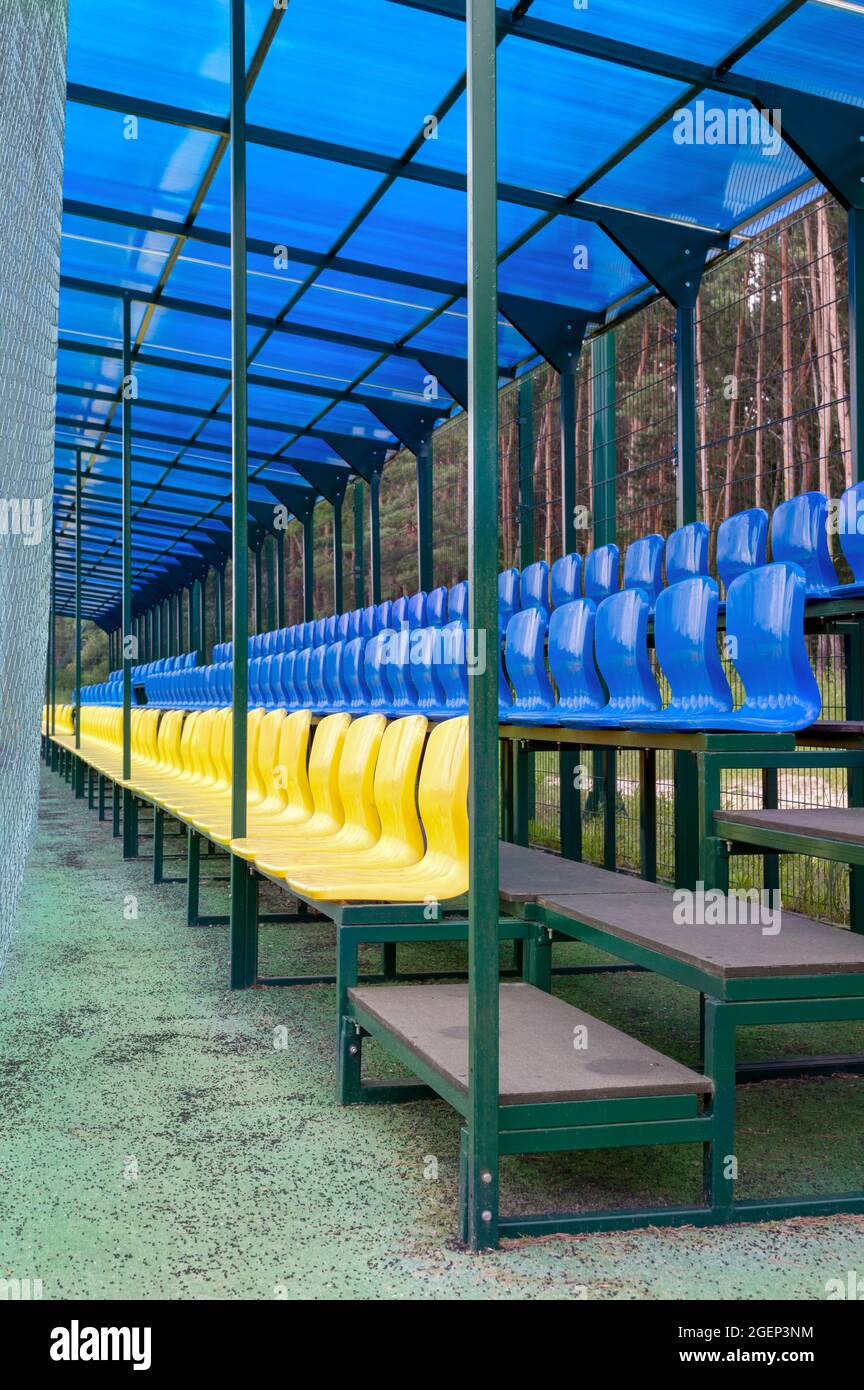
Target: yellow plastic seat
(262,740)
(327,815)
(360,826)
(442,872)
(399,837)
(289,802)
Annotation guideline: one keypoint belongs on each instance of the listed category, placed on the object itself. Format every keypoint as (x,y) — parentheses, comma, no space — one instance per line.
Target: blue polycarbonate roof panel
(570,262)
(416,227)
(114,255)
(171,54)
(312,360)
(353,304)
(819,50)
(552,131)
(713,163)
(351,83)
(703,33)
(157,172)
(293,199)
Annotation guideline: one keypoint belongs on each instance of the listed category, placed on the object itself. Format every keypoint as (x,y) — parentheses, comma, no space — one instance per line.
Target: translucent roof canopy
(628,140)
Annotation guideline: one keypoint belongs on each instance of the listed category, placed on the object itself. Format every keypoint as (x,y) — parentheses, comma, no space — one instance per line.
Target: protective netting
(32,80)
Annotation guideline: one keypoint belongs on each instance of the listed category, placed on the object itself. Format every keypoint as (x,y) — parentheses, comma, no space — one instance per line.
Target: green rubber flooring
(161,1137)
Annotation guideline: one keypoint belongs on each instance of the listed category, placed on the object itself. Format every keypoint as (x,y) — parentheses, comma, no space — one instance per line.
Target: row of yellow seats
(351,822)
(64,719)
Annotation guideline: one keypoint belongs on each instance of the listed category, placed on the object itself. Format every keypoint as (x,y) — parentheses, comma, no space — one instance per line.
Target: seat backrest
(377,683)
(436,607)
(600,573)
(687,552)
(398,612)
(571,657)
(427,650)
(290,697)
(799,536)
(850,526)
(765,633)
(396,784)
(442,794)
(396,658)
(685,638)
(643,565)
(333,686)
(320,698)
(565,579)
(742,543)
(291,772)
(525,659)
(324,763)
(384,618)
(508,596)
(266,757)
(369,621)
(415,610)
(301,678)
(357,773)
(621,640)
(353,674)
(256,694)
(534,586)
(451,665)
(457,602)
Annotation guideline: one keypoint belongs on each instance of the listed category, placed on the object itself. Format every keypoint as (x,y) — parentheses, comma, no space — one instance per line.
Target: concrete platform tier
(539,1061)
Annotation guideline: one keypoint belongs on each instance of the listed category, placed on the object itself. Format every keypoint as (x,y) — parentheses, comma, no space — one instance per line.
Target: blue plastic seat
(343,627)
(765,634)
(452,666)
(565,579)
(415,610)
(436,607)
(377,685)
(643,565)
(571,661)
(319,632)
(305,699)
(687,552)
(290,695)
(685,638)
(457,602)
(600,573)
(621,642)
(508,597)
(256,695)
(428,645)
(398,612)
(799,536)
(398,652)
(353,674)
(320,698)
(525,660)
(742,543)
(369,623)
(534,587)
(267,682)
(336,693)
(850,527)
(385,617)
(505,694)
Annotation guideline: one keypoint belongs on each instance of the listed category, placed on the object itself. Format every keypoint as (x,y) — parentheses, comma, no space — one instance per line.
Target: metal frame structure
(166,548)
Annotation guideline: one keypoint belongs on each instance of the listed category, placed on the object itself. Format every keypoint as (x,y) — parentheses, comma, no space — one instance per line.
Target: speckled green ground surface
(155,1142)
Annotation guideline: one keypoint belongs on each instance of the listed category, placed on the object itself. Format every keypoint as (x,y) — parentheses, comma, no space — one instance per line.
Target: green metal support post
(374,538)
(308,566)
(338,582)
(481,1172)
(130,847)
(424,514)
(570,796)
(79,766)
(686,775)
(359,565)
(220,604)
(280,580)
(524,761)
(258,585)
(240,490)
(270,577)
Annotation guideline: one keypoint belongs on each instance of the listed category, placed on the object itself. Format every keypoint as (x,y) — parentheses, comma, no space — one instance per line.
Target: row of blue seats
(587,646)
(110,692)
